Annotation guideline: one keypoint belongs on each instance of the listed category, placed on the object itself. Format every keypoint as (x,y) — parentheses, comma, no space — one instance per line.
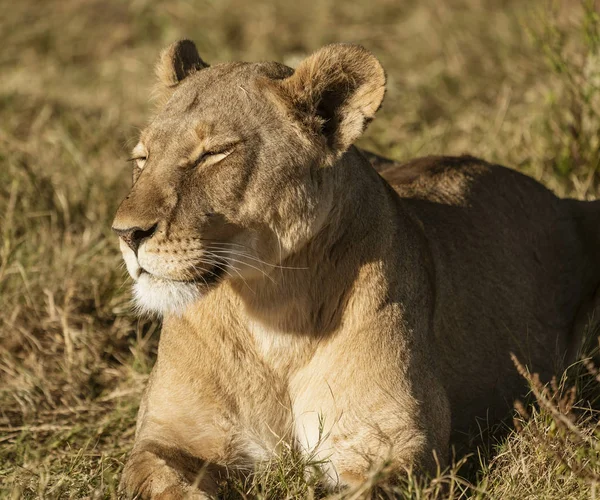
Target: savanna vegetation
(515,82)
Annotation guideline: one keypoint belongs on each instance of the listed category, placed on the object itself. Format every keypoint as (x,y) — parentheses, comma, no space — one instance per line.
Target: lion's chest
(280,351)
(239,399)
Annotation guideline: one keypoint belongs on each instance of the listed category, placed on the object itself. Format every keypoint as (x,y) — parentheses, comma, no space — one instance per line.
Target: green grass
(513,82)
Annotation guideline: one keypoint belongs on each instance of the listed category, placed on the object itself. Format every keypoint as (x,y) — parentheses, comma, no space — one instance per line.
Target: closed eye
(212,157)
(138,161)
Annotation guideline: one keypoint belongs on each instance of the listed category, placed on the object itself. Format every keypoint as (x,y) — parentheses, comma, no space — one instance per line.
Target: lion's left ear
(338,90)
(176,62)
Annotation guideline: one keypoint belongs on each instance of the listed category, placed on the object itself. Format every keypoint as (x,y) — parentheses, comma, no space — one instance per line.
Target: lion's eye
(212,157)
(140,162)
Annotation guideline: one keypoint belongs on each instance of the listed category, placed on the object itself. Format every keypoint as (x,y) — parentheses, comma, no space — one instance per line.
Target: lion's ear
(176,62)
(338,90)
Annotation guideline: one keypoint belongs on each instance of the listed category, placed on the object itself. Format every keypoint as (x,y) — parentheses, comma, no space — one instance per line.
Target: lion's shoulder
(441,178)
(461,180)
(432,168)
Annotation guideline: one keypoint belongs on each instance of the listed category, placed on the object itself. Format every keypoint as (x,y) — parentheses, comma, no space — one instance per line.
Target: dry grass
(514,82)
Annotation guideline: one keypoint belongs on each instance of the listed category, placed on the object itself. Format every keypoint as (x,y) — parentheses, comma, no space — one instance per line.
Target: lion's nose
(134,236)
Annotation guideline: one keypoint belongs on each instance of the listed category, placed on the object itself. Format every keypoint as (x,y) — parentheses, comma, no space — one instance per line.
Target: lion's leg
(382,457)
(353,451)
(158,471)
(358,425)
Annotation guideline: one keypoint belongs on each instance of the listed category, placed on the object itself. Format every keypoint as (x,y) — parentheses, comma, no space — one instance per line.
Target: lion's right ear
(176,62)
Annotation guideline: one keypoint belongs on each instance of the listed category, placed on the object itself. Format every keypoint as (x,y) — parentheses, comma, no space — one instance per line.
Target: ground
(513,82)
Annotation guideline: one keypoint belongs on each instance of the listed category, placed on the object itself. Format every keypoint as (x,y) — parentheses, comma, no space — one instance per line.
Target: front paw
(146,476)
(181,493)
(157,471)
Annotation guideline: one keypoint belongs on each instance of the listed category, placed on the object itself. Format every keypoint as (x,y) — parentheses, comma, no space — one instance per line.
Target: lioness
(309,299)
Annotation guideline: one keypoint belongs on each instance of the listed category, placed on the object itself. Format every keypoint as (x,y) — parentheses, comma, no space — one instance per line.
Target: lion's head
(237,169)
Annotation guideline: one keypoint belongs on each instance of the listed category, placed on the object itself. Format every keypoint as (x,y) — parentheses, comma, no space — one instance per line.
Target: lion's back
(508,273)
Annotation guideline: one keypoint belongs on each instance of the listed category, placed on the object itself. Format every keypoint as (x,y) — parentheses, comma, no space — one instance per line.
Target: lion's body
(511,270)
(362,322)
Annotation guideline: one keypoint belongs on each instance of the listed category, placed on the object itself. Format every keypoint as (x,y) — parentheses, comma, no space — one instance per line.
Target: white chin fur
(157,296)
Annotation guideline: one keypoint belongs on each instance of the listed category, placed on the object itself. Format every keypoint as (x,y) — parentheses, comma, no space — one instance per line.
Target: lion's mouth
(206,279)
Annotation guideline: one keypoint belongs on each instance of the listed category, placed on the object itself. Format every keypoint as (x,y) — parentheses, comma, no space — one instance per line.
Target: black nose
(134,236)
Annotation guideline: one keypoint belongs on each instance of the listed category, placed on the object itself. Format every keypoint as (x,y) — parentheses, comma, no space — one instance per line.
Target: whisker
(227,246)
(243,279)
(208,262)
(215,264)
(251,257)
(200,276)
(224,269)
(221,248)
(223,243)
(280,252)
(229,259)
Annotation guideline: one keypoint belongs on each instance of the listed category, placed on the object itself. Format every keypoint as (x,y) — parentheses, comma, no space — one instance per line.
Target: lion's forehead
(214,85)
(227,88)
(222,100)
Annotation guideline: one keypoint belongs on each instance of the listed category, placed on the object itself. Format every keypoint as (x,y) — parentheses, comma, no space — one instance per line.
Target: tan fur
(309,300)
